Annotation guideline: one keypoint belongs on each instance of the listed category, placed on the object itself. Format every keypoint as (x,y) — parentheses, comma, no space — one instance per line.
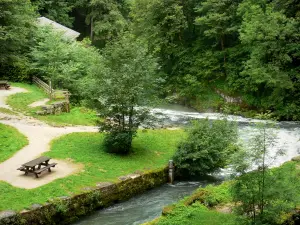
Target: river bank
(214,205)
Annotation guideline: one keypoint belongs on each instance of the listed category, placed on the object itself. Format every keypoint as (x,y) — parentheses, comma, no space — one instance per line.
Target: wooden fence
(43,85)
(53,94)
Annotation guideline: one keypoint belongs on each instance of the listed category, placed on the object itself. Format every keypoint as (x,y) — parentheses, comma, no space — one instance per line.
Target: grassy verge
(11,140)
(201,206)
(20,101)
(151,150)
(197,208)
(194,215)
(7,111)
(77,116)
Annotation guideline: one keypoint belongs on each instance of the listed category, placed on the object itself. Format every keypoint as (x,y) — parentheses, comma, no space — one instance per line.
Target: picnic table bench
(35,166)
(5,84)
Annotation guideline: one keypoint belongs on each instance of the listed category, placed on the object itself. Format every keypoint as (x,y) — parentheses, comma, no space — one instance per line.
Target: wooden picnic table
(35,166)
(5,84)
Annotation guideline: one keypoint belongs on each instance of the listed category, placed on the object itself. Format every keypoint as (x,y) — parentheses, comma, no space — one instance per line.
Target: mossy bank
(65,210)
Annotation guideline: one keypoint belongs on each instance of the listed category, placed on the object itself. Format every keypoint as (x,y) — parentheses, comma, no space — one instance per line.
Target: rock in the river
(297,158)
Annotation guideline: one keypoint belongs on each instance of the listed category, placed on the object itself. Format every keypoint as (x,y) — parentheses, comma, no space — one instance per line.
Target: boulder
(296,159)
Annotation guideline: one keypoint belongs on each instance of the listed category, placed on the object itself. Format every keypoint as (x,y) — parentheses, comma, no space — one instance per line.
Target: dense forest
(247,49)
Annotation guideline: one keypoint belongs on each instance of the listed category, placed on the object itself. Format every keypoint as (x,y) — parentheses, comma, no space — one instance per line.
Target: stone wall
(54,108)
(65,209)
(229,99)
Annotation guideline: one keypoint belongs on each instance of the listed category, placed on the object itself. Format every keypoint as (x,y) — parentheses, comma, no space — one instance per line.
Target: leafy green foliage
(208,147)
(11,141)
(63,61)
(58,11)
(280,195)
(249,46)
(118,142)
(271,36)
(17,24)
(106,20)
(196,214)
(122,89)
(258,192)
(211,195)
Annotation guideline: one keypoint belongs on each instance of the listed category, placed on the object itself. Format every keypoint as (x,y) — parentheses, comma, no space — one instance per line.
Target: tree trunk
(224,53)
(92,30)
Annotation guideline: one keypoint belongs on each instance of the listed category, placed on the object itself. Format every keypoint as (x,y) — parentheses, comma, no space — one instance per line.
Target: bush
(118,142)
(15,72)
(208,147)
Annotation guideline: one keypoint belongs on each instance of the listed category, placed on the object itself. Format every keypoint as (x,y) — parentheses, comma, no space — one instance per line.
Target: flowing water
(287,133)
(142,208)
(149,205)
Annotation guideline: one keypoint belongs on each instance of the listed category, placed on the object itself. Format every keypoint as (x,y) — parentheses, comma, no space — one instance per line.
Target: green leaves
(63,61)
(208,147)
(57,11)
(106,19)
(17,23)
(122,89)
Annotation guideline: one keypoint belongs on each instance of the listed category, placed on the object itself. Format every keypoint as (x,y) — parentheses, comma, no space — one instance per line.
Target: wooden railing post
(50,90)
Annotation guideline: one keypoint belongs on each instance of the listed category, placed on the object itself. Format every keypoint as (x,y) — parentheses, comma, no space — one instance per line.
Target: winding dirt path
(39,136)
(39,103)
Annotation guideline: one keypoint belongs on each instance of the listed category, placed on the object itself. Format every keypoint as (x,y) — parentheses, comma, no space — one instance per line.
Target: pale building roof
(43,21)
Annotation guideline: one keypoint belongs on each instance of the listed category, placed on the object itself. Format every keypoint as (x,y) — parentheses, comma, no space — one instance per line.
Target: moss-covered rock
(296,159)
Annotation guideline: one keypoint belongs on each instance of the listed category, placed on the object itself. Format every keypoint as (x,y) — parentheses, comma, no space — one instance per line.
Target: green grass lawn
(77,116)
(151,150)
(11,140)
(20,101)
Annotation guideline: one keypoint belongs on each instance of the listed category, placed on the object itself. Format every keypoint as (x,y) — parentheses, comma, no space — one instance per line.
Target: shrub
(208,147)
(118,142)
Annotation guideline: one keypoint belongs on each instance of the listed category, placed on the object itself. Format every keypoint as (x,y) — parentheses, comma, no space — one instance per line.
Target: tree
(106,20)
(164,26)
(263,194)
(271,72)
(122,90)
(59,11)
(220,24)
(207,148)
(65,62)
(17,23)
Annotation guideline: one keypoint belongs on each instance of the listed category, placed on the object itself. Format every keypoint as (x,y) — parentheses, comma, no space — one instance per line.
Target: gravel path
(39,103)
(39,136)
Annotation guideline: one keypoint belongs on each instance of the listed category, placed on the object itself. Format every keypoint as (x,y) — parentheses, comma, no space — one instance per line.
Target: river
(149,205)
(142,208)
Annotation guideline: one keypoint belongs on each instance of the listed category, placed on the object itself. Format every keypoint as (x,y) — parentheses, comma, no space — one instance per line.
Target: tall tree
(122,90)
(219,23)
(105,19)
(257,192)
(16,25)
(271,73)
(57,10)
(64,62)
